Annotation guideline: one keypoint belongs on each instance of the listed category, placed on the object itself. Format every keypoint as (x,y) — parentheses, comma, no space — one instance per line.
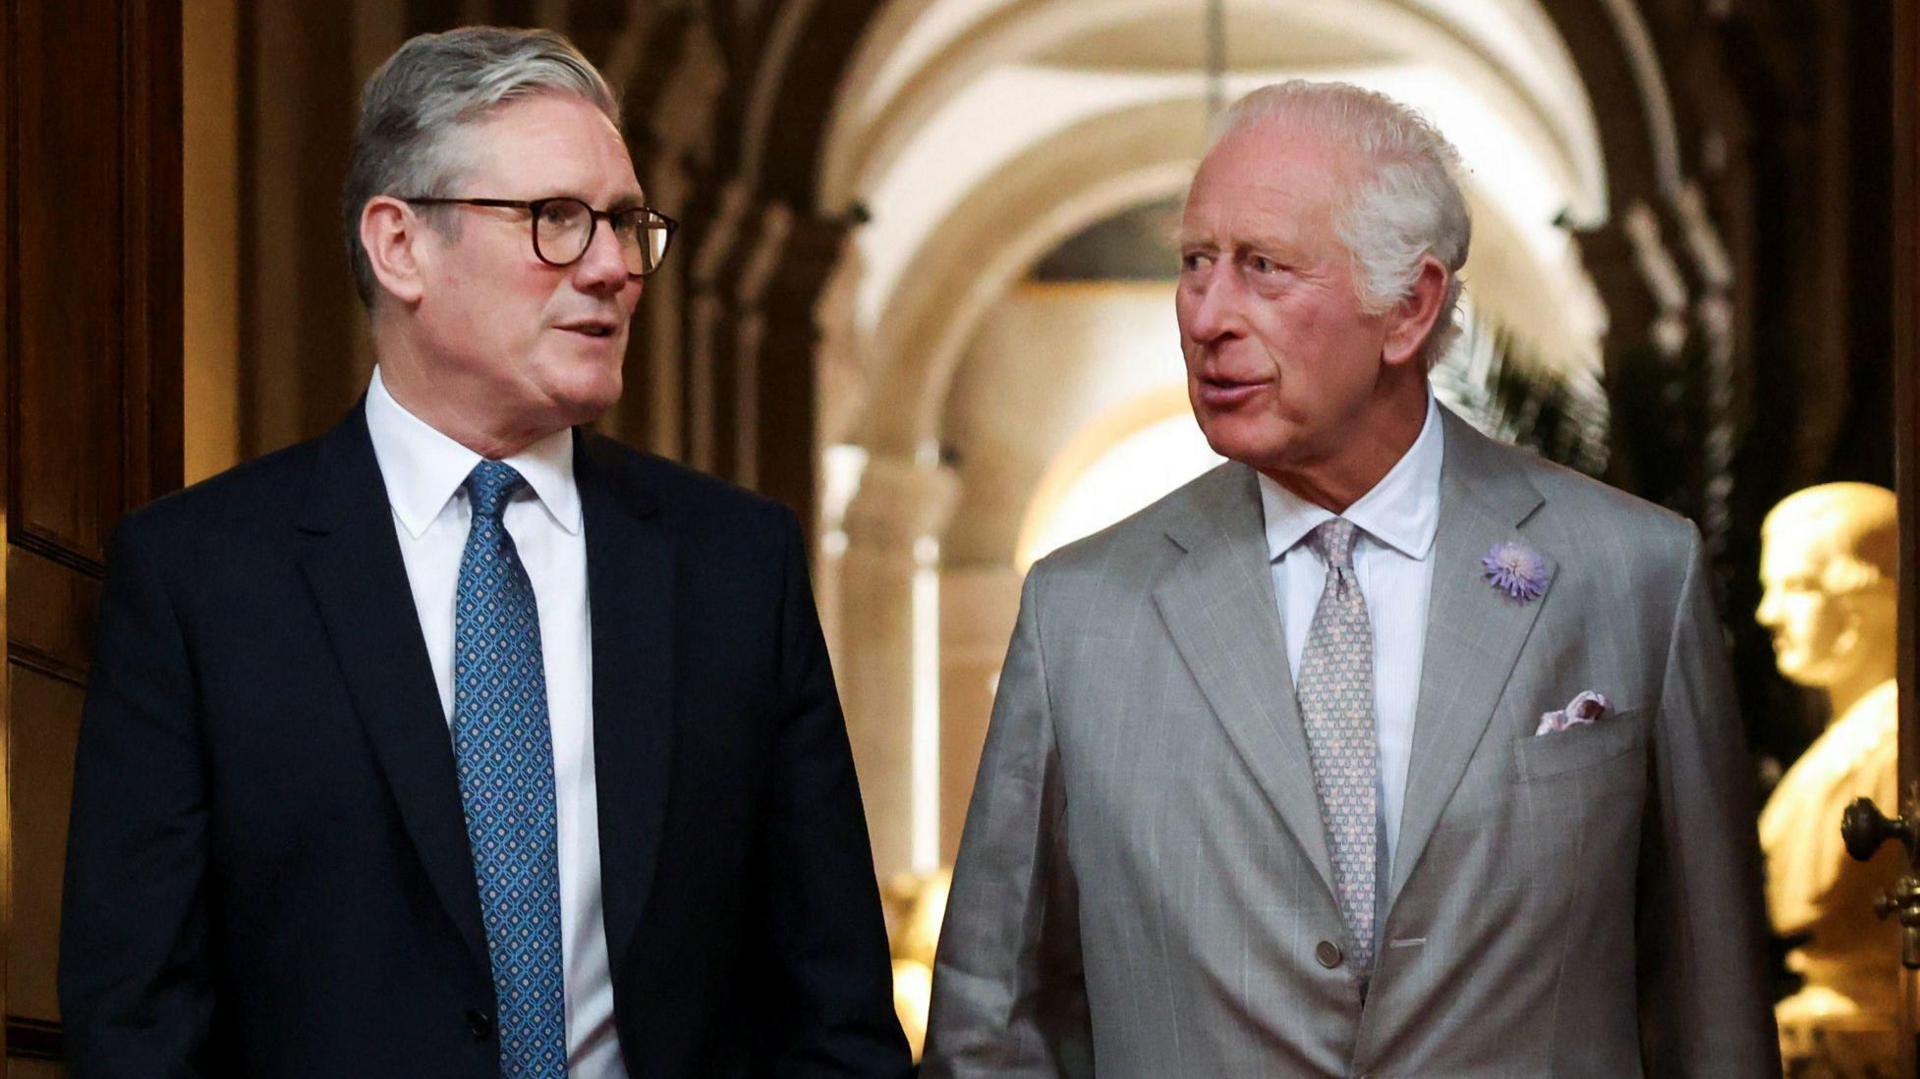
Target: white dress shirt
(1393,560)
(424,470)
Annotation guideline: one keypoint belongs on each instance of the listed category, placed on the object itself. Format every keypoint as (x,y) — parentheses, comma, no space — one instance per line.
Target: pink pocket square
(1579,712)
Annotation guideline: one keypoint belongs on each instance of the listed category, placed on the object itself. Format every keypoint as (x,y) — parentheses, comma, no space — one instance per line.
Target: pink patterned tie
(1336,703)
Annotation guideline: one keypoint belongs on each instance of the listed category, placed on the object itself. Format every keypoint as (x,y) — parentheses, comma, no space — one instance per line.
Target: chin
(1806,671)
(1252,443)
(586,408)
(583,394)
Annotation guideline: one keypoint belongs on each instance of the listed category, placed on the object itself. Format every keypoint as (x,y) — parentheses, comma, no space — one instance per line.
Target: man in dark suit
(459,742)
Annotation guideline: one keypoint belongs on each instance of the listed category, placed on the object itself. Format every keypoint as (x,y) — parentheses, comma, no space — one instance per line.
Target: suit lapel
(359,583)
(631,590)
(1219,607)
(1474,633)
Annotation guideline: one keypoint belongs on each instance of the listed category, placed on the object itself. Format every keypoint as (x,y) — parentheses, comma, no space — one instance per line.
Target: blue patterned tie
(1336,705)
(504,753)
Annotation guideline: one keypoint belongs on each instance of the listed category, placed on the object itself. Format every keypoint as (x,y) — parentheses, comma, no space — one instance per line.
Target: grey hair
(1408,206)
(432,88)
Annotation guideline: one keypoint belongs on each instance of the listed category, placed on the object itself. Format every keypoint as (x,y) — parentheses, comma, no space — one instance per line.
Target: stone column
(892,528)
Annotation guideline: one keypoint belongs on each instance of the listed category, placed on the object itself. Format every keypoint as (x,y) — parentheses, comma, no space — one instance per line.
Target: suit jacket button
(1328,953)
(480,1025)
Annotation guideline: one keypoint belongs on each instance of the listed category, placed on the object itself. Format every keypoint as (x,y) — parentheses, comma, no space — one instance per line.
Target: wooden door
(90,364)
(1906,356)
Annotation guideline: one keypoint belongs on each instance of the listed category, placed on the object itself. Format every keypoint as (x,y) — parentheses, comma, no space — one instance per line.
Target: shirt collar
(1401,511)
(423,467)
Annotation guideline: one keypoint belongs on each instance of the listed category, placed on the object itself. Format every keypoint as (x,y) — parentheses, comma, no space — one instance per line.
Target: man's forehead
(560,143)
(1282,146)
(1246,213)
(1274,173)
(1258,204)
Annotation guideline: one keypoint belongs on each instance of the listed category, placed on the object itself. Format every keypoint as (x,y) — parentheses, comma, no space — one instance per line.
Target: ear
(392,235)
(1847,640)
(1411,320)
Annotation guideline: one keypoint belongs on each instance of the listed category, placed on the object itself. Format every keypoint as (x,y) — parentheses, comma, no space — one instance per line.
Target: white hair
(1408,206)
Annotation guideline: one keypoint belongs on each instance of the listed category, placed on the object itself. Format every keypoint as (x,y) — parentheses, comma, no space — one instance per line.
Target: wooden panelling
(1906,405)
(34,1069)
(90,208)
(150,411)
(50,612)
(301,332)
(1906,358)
(67,438)
(210,228)
(9,257)
(45,715)
(37,1041)
(9,350)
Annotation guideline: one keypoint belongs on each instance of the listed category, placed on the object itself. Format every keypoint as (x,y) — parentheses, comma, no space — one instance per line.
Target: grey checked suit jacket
(1143,882)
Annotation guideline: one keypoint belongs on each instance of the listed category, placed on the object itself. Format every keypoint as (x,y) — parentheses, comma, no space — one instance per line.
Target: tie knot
(489,486)
(1333,542)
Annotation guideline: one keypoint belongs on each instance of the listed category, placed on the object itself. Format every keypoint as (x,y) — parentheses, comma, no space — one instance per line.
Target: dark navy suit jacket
(268,871)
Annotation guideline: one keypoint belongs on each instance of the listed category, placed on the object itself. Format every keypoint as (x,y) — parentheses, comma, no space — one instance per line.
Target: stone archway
(763,127)
(899,321)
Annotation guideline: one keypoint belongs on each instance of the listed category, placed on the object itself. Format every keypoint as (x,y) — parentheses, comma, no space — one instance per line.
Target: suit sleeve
(136,981)
(1705,989)
(1009,991)
(828,936)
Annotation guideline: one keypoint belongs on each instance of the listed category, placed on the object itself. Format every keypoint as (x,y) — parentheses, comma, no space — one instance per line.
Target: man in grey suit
(1382,749)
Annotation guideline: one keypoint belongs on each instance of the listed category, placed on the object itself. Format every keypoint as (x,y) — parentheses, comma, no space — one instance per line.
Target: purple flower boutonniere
(1516,569)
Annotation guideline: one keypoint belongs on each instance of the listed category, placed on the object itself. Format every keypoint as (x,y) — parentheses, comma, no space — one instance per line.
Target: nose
(602,269)
(1768,612)
(1213,307)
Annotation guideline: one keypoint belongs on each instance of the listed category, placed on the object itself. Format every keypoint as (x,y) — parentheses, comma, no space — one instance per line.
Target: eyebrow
(1269,244)
(628,201)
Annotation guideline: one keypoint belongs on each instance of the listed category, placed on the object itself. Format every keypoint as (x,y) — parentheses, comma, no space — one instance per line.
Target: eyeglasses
(563,229)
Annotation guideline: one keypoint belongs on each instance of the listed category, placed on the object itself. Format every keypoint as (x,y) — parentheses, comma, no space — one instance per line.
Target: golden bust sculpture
(1828,565)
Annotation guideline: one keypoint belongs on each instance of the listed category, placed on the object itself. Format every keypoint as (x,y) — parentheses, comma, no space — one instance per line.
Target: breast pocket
(1543,756)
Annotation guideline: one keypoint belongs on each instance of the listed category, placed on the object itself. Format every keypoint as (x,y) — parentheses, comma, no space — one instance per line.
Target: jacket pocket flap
(1542,755)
